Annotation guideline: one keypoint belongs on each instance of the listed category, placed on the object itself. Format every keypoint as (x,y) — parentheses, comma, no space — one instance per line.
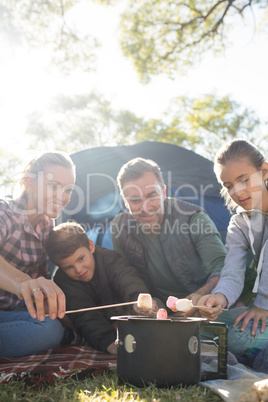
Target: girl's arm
(37,293)
(232,277)
(259,311)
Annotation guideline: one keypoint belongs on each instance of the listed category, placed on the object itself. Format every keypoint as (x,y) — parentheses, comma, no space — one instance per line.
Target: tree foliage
(45,23)
(10,164)
(204,124)
(169,35)
(86,121)
(82,121)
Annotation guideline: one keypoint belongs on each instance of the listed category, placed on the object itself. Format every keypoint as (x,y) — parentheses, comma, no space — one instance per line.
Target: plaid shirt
(22,245)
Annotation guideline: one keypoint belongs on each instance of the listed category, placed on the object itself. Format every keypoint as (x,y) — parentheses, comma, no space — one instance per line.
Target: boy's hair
(236,149)
(64,240)
(136,168)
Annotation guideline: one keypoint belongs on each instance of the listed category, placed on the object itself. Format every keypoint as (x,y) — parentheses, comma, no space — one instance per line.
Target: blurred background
(77,74)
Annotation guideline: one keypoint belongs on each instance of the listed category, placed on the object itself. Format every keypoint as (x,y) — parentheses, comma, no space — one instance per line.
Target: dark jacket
(114,281)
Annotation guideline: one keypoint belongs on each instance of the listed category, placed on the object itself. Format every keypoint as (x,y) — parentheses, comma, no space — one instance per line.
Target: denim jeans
(21,335)
(239,342)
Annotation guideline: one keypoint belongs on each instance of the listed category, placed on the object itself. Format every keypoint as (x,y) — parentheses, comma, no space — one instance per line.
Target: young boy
(92,276)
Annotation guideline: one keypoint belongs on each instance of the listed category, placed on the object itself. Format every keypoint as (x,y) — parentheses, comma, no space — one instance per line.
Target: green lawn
(100,388)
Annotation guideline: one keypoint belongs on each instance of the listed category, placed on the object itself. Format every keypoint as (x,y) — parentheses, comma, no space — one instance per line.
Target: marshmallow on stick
(184,305)
(145,301)
(171,303)
(162,314)
(175,304)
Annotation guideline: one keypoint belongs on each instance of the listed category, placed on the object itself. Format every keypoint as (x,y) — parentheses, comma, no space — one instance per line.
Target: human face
(51,190)
(144,198)
(81,265)
(245,183)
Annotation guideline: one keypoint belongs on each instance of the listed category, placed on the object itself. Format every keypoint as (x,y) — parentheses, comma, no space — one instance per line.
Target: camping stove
(166,352)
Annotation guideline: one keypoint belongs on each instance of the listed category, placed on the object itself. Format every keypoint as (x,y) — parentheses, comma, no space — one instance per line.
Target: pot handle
(221,329)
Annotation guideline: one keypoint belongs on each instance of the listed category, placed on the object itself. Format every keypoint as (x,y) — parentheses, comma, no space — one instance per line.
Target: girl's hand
(217,302)
(256,314)
(42,296)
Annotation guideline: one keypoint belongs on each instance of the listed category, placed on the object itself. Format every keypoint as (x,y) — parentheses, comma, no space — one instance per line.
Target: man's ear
(125,202)
(164,192)
(91,246)
(264,169)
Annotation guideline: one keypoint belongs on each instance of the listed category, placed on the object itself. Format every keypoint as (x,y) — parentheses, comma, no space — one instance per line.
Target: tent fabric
(96,199)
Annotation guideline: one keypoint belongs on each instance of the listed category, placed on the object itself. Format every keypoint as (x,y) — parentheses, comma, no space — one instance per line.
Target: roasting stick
(98,307)
(224,309)
(144,301)
(184,305)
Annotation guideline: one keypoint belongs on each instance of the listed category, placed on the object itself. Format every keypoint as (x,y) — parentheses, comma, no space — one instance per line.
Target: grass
(103,387)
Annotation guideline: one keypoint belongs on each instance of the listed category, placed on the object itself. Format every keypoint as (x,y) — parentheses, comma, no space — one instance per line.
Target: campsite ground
(100,388)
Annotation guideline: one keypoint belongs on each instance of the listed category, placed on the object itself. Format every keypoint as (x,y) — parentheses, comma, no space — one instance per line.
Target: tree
(201,124)
(10,166)
(204,124)
(46,23)
(82,121)
(168,35)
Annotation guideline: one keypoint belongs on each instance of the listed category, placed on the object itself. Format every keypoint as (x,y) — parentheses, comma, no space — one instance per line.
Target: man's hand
(217,302)
(257,315)
(42,296)
(195,297)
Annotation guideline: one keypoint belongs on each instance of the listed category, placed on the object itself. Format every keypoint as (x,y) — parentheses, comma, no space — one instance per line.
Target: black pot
(165,352)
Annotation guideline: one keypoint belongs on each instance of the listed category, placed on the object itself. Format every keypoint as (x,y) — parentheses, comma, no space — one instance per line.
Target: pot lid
(143,318)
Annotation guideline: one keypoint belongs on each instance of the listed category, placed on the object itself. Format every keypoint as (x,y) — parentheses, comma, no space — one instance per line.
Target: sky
(25,83)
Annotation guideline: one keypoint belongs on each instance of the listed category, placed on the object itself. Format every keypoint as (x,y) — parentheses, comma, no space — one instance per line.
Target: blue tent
(96,199)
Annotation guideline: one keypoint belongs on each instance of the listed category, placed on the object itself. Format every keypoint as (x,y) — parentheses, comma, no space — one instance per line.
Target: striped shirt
(22,245)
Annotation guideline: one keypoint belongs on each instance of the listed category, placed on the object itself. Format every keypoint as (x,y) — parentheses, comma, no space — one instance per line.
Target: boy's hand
(257,315)
(112,349)
(217,302)
(145,312)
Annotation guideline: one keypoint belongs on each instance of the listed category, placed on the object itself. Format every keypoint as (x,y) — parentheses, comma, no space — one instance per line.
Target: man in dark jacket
(93,276)
(174,245)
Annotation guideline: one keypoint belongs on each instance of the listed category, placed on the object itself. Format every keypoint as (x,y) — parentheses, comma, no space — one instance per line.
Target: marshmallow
(171,303)
(145,301)
(161,314)
(184,305)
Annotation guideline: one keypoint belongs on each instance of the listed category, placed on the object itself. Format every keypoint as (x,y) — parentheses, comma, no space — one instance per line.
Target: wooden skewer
(99,307)
(224,309)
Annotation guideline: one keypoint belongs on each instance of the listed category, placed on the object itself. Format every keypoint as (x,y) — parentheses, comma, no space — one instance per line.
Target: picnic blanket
(82,361)
(243,384)
(63,362)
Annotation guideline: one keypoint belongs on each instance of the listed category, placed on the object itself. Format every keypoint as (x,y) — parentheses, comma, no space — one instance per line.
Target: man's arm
(212,252)
(204,290)
(35,292)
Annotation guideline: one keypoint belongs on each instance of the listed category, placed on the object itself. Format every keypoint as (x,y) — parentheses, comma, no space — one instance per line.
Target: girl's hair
(39,164)
(64,240)
(236,149)
(136,168)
